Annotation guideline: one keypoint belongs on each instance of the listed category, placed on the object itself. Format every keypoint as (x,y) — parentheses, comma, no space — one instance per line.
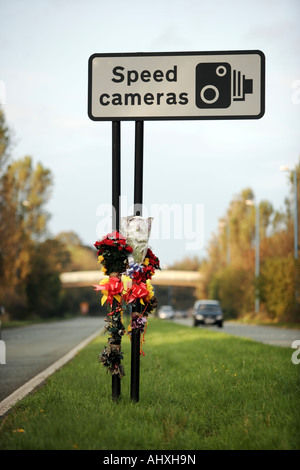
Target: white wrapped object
(137,232)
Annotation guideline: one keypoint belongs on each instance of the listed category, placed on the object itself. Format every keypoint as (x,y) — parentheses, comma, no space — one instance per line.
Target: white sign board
(177,85)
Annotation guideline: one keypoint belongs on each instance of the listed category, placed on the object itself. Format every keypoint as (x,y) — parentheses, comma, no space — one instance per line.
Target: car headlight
(199,316)
(219,317)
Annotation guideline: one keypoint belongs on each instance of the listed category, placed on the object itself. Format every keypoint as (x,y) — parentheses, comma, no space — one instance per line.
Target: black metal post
(116,191)
(116,173)
(138,167)
(135,360)
(136,308)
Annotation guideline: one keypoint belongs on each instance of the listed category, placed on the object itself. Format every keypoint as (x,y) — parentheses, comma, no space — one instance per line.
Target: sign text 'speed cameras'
(129,77)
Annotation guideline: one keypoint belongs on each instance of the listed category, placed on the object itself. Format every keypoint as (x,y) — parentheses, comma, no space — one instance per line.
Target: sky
(192,169)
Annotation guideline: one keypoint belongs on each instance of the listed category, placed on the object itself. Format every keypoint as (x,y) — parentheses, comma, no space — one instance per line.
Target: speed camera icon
(217,85)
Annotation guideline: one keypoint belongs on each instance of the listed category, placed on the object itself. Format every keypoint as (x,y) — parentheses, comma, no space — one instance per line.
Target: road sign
(176,85)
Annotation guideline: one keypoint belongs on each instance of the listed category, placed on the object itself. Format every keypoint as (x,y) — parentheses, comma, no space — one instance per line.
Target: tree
(23,217)
(277,286)
(24,192)
(82,258)
(234,288)
(29,193)
(43,285)
(231,279)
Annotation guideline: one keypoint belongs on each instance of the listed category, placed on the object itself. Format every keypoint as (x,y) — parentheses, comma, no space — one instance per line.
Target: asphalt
(272,335)
(38,379)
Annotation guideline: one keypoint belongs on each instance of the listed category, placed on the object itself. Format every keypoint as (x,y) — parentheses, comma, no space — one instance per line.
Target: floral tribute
(126,282)
(113,253)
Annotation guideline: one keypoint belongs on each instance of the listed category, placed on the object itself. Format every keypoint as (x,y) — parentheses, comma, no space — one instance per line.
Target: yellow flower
(100,258)
(150,289)
(19,430)
(127,282)
(146,262)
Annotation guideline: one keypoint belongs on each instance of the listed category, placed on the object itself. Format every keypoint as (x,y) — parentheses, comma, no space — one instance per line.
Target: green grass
(199,389)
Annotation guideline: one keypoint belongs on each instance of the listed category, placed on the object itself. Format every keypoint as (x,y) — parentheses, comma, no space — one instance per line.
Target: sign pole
(136,308)
(116,173)
(116,191)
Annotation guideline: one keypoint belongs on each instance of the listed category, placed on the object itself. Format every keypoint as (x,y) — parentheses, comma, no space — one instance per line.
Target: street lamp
(286,168)
(250,202)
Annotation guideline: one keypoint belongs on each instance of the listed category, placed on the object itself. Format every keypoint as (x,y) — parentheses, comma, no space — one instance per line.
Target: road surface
(31,349)
(264,334)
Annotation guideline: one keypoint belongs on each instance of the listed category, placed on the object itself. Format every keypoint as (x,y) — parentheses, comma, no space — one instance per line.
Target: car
(208,312)
(166,312)
(180,314)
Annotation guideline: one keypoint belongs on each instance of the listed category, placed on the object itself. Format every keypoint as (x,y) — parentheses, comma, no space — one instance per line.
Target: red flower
(109,242)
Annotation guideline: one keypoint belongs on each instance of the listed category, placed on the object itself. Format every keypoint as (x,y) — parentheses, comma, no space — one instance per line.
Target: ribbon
(134,268)
(111,288)
(137,291)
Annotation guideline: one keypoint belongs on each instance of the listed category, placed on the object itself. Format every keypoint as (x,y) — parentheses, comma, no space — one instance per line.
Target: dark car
(207,312)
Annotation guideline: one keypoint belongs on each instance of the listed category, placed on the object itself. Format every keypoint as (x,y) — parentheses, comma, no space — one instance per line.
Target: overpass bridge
(161,278)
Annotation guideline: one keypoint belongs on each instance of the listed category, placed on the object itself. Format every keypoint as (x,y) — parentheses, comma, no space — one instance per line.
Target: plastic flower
(111,288)
(113,251)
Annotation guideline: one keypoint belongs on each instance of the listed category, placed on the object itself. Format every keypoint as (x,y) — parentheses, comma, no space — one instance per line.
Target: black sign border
(176,118)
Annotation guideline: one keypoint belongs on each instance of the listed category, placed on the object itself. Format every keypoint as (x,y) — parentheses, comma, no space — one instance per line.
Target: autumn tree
(24,192)
(43,286)
(229,270)
(81,257)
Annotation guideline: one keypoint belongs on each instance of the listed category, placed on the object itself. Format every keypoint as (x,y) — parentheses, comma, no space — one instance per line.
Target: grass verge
(199,389)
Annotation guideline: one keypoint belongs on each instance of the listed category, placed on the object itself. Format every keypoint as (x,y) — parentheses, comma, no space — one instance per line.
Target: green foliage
(235,290)
(43,286)
(81,257)
(277,285)
(229,271)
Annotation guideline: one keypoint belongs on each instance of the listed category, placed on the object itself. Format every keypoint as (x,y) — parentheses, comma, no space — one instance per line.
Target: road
(264,334)
(31,349)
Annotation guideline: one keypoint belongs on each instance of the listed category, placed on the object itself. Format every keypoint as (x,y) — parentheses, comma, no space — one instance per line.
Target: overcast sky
(193,168)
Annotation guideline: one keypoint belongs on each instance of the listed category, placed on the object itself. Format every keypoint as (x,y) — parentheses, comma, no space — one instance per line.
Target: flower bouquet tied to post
(113,254)
(113,251)
(128,264)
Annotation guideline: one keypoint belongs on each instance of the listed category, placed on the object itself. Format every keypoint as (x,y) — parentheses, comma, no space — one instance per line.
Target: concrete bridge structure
(161,278)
